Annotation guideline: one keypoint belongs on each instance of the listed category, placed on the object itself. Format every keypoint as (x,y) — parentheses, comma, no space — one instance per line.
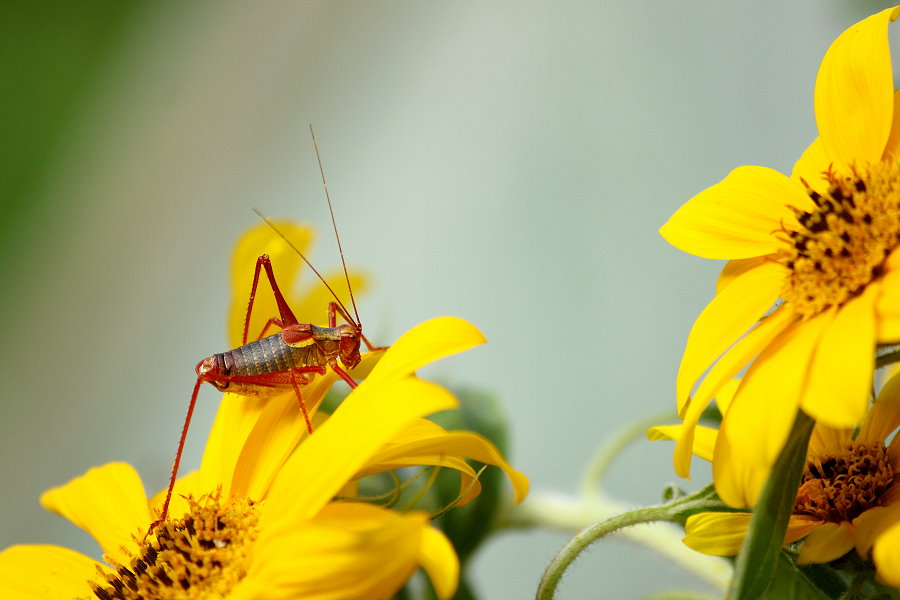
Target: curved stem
(673,511)
(554,572)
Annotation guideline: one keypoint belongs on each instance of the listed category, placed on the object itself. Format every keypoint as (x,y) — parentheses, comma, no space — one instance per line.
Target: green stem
(674,511)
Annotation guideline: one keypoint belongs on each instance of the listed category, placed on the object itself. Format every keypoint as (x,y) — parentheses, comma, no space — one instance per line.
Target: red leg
(287,316)
(302,404)
(344,375)
(184,430)
(269,323)
(334,309)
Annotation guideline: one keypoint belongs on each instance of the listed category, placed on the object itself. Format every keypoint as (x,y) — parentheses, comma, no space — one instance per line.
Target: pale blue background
(506,162)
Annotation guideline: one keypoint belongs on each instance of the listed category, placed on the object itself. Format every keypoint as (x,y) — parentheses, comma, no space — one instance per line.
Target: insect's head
(349,345)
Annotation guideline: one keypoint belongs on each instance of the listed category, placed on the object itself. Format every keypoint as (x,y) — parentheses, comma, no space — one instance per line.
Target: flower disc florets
(203,555)
(843,243)
(839,487)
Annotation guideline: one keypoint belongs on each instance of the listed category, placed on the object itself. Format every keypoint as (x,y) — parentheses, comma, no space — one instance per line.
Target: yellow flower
(815,254)
(259,519)
(849,493)
(274,512)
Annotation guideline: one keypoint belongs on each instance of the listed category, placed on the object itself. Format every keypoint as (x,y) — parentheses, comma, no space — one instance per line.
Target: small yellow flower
(259,519)
(849,493)
(815,254)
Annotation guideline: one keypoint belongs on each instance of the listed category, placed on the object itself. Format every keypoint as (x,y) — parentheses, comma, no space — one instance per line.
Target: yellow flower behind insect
(309,303)
(815,254)
(273,512)
(259,518)
(849,493)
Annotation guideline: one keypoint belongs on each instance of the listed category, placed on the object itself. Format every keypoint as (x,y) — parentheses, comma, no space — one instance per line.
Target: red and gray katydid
(285,360)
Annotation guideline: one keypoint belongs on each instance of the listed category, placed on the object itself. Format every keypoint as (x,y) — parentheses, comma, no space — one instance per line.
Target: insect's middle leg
(296,387)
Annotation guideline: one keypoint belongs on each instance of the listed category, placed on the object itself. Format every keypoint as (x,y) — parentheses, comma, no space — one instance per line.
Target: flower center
(842,244)
(840,487)
(203,555)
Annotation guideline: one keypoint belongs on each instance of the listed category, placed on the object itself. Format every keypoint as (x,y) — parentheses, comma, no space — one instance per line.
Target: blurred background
(506,162)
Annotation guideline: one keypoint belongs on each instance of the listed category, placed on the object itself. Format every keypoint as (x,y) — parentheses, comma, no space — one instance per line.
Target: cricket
(289,359)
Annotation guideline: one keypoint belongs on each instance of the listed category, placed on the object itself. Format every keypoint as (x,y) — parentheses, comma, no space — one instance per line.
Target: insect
(285,360)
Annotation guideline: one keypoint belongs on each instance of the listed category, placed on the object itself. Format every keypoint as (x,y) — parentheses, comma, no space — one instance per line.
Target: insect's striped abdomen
(268,355)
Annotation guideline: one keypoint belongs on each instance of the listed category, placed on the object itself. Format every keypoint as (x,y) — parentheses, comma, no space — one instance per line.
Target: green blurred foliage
(52,55)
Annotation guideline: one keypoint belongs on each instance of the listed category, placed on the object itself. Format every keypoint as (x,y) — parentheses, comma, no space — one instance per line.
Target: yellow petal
(423,438)
(108,502)
(369,417)
(726,394)
(186,485)
(274,436)
(759,418)
(286,264)
(884,416)
(826,543)
(349,551)
(734,269)
(704,438)
(892,148)
(811,166)
(826,439)
(717,533)
(886,556)
(234,421)
(45,573)
(738,217)
(800,526)
(725,319)
(727,367)
(438,559)
(854,92)
(873,523)
(888,305)
(424,344)
(840,375)
(723,533)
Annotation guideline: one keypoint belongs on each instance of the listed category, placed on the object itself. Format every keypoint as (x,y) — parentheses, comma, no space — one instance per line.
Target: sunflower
(260,518)
(813,282)
(849,492)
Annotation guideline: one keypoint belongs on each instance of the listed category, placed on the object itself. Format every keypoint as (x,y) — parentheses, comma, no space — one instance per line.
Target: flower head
(849,492)
(813,282)
(274,512)
(259,518)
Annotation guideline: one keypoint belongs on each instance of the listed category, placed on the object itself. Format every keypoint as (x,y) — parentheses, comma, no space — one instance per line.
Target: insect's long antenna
(334,223)
(308,264)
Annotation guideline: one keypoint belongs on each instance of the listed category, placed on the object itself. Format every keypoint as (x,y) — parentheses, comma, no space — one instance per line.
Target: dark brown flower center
(840,487)
(203,555)
(841,245)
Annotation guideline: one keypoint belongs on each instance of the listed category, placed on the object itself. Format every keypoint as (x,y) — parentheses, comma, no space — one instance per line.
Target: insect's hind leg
(287,316)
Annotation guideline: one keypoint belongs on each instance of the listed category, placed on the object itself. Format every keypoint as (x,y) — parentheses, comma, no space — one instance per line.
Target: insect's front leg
(335,309)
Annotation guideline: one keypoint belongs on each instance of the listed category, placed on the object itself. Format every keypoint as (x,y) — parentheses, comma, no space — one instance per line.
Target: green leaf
(468,526)
(759,558)
(788,582)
